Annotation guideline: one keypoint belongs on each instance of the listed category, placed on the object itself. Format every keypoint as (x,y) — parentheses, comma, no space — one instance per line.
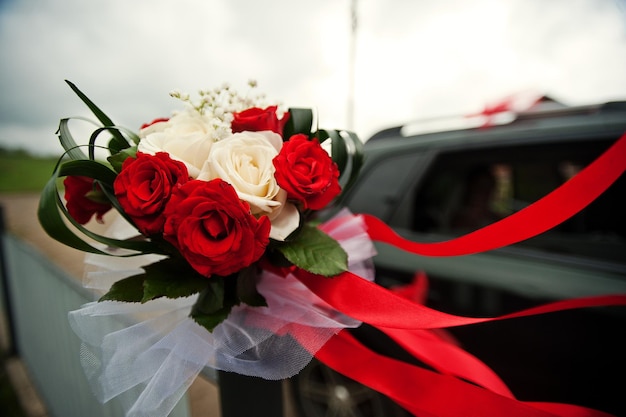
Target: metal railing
(35,297)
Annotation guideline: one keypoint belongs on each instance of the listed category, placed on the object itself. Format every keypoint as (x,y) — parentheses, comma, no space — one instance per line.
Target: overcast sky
(414,59)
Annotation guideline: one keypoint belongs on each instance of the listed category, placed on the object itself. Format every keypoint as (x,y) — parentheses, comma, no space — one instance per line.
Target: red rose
(144,186)
(307,172)
(256,120)
(213,229)
(84,199)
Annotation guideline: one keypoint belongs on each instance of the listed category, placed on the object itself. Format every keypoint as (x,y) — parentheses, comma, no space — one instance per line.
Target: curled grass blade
(52,212)
(119,142)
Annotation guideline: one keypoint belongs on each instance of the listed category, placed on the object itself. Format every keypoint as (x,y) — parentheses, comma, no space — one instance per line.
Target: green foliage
(246,288)
(117,142)
(300,121)
(213,305)
(116,160)
(316,252)
(52,212)
(128,289)
(170,277)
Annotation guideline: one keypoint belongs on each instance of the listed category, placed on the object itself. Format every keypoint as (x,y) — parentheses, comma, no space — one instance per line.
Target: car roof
(560,123)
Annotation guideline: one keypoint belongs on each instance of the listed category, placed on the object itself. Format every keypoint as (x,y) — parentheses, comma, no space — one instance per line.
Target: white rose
(187,137)
(245,161)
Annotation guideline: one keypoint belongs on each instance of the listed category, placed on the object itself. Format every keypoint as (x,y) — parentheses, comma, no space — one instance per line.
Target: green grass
(21,172)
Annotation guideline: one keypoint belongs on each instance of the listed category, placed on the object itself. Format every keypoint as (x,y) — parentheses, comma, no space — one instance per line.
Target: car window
(465,190)
(381,187)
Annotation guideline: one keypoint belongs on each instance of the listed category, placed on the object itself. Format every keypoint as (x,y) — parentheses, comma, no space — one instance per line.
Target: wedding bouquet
(219,257)
(217,189)
(211,200)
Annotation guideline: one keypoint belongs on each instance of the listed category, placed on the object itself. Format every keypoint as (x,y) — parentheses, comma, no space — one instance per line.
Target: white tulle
(155,347)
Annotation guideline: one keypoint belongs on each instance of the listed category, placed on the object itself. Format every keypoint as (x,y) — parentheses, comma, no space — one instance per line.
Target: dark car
(434,186)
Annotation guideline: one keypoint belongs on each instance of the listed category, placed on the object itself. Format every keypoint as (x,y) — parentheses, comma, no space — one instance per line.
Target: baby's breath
(219,104)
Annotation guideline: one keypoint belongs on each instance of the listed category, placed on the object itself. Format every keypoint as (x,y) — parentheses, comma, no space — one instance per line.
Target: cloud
(413,59)
(457,56)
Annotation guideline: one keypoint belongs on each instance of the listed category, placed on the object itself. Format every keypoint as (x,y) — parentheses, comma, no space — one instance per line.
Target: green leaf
(347,153)
(116,160)
(212,306)
(115,146)
(211,298)
(212,320)
(119,142)
(339,150)
(300,121)
(246,288)
(88,168)
(67,140)
(128,290)
(172,278)
(316,252)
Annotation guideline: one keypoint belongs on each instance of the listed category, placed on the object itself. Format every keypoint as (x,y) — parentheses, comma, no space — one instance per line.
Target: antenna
(351,65)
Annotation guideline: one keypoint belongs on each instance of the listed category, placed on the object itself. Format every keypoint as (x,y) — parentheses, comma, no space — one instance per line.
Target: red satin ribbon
(427,393)
(543,215)
(373,304)
(439,349)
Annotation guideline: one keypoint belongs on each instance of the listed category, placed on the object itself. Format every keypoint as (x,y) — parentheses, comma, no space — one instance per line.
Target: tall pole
(351,64)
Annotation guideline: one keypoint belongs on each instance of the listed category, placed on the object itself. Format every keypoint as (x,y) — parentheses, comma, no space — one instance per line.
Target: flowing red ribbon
(428,393)
(537,218)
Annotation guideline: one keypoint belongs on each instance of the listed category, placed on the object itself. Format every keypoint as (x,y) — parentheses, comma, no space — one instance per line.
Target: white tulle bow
(156,349)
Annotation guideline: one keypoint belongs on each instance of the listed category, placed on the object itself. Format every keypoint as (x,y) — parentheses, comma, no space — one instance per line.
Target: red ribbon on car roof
(514,103)
(445,392)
